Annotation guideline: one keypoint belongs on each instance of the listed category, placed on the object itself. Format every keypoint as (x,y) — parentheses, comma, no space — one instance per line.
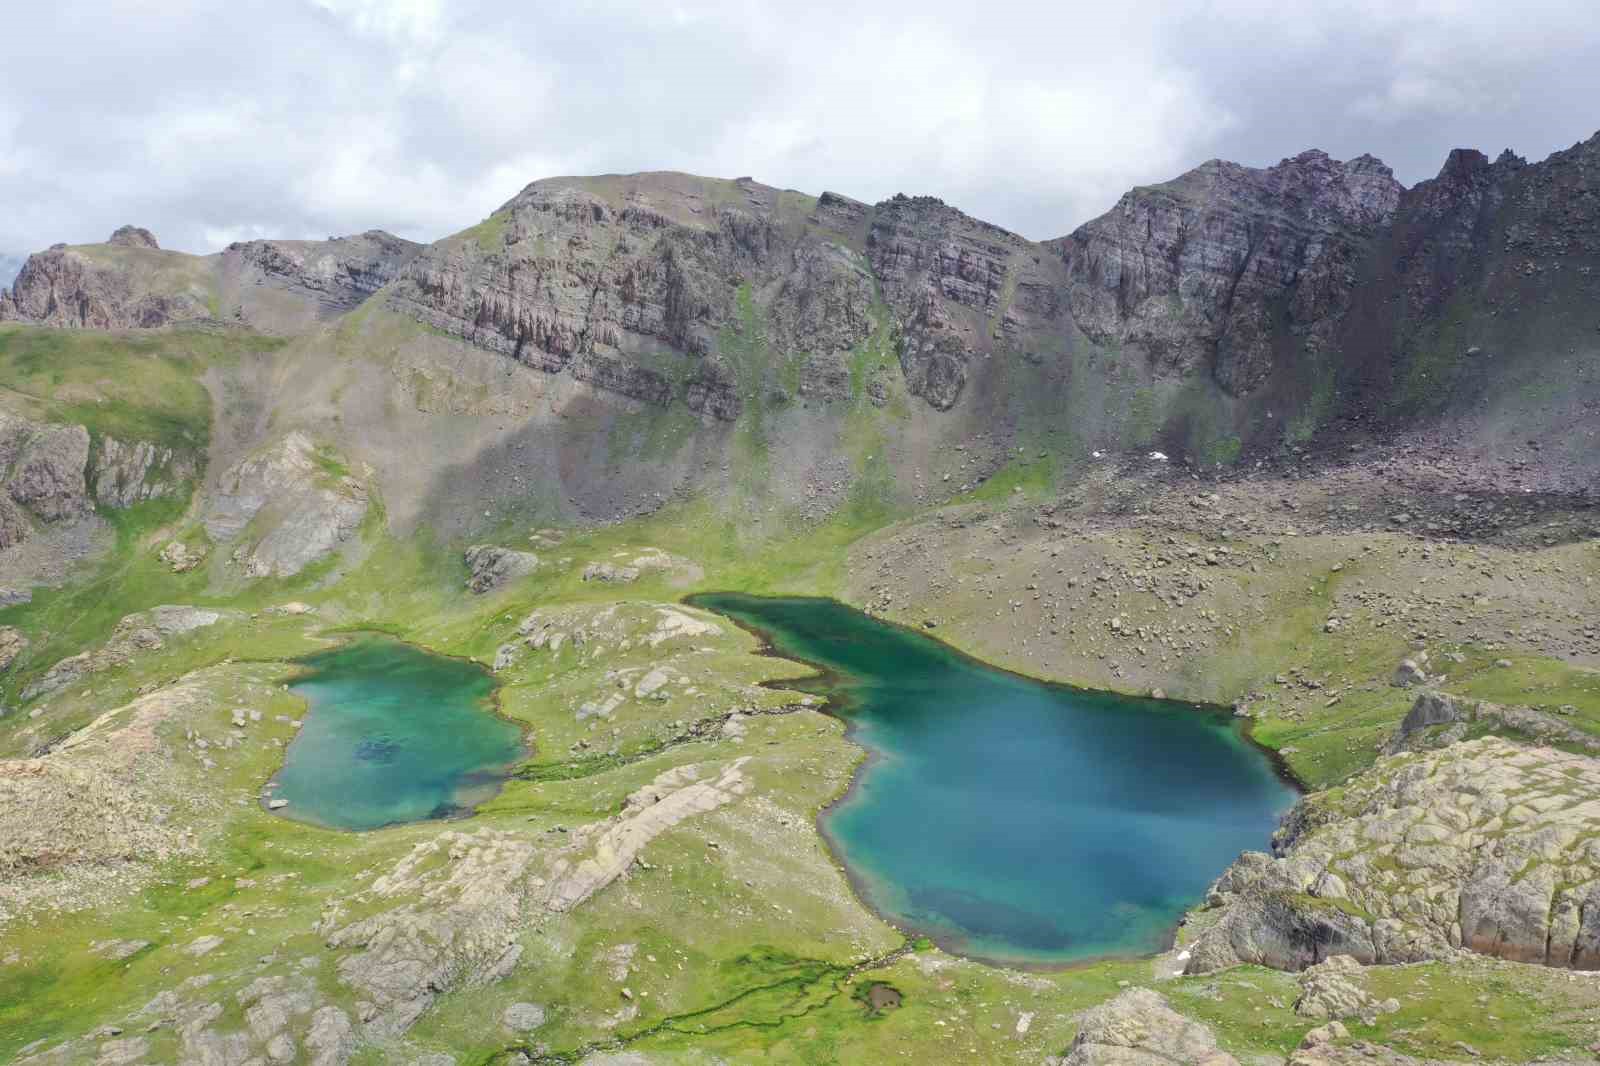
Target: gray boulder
(1138,1028)
(489,567)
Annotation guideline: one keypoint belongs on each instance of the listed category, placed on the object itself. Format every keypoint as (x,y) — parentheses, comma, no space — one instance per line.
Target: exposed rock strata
(111,286)
(962,289)
(1196,269)
(593,277)
(1484,845)
(338,273)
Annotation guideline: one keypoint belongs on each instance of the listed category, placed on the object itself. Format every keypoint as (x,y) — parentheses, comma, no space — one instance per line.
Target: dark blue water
(393,734)
(1011,819)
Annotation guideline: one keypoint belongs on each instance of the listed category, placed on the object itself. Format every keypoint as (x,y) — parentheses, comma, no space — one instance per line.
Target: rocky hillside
(1229,313)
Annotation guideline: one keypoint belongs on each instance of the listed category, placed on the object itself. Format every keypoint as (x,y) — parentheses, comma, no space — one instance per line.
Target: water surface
(1011,819)
(393,734)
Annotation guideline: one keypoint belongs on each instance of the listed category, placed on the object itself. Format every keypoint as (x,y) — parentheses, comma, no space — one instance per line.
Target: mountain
(1216,317)
(1297,445)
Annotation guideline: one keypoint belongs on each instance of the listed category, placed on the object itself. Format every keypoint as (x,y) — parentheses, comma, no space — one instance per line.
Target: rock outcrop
(1196,270)
(44,467)
(96,812)
(338,273)
(1484,845)
(126,283)
(1138,1028)
(136,634)
(129,473)
(962,289)
(490,566)
(448,915)
(583,276)
(134,237)
(294,499)
(1437,720)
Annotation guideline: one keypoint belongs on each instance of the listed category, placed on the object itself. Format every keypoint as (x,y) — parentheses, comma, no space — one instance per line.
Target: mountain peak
(134,237)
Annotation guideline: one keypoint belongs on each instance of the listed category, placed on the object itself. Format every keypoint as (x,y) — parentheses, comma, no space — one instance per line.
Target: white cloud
(209,120)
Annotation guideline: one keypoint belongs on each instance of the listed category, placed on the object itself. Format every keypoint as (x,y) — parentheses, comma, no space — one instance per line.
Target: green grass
(132,387)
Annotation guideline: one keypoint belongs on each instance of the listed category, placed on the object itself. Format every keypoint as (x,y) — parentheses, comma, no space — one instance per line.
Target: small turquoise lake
(1010,819)
(393,733)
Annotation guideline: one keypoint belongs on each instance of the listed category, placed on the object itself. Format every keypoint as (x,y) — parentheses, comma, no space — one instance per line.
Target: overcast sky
(216,120)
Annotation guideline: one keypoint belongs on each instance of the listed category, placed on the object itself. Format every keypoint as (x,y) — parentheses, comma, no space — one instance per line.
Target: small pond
(1014,820)
(393,733)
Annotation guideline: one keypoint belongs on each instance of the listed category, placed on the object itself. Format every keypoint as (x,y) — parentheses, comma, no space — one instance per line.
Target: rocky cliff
(1225,313)
(1228,268)
(654,285)
(338,273)
(126,283)
(1483,845)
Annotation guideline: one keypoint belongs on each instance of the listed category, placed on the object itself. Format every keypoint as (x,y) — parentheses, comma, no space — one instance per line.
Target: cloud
(209,120)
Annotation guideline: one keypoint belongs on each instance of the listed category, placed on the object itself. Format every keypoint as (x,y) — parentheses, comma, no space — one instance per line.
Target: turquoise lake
(393,734)
(1014,820)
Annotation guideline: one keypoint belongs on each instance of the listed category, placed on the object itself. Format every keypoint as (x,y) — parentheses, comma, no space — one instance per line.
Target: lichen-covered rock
(490,566)
(295,499)
(1138,1028)
(610,573)
(1336,988)
(1483,845)
(447,916)
(183,557)
(130,473)
(44,467)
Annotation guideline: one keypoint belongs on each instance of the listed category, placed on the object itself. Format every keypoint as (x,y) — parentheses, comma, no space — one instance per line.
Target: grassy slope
(764,933)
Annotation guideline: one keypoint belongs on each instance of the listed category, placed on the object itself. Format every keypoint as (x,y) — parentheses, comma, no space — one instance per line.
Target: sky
(210,121)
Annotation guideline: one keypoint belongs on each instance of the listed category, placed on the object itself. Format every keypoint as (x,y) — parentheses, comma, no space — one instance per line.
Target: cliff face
(338,273)
(634,284)
(587,275)
(1230,309)
(125,283)
(961,290)
(1224,268)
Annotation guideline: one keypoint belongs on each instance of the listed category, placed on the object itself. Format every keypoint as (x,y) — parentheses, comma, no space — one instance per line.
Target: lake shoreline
(825,680)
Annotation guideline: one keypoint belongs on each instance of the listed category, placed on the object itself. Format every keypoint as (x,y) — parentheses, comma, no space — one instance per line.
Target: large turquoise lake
(1014,820)
(393,734)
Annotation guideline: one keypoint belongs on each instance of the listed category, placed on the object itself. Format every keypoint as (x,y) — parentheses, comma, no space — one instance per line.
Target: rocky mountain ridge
(1227,313)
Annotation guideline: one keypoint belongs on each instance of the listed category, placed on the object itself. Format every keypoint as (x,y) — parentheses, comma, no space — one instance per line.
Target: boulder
(489,567)
(1138,1028)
